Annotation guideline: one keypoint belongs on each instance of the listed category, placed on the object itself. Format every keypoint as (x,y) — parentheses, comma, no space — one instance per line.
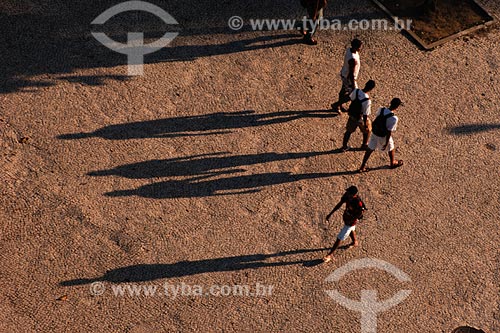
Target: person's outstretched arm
(335,209)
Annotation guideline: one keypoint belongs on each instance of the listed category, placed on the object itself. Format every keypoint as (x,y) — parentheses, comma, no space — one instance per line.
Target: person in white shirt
(349,73)
(381,137)
(359,110)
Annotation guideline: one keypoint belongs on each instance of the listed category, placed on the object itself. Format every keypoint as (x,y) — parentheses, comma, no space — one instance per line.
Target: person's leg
(308,39)
(301,27)
(364,144)
(394,163)
(347,86)
(345,141)
(391,157)
(343,95)
(340,237)
(336,105)
(349,129)
(334,247)
(329,256)
(353,238)
(368,152)
(366,133)
(314,27)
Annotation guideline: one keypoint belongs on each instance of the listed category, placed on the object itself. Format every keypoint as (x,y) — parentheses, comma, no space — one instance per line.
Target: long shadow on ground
(192,52)
(149,272)
(208,124)
(473,128)
(197,165)
(54,37)
(198,187)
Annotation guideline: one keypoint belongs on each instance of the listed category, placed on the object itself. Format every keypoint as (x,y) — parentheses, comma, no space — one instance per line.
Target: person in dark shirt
(315,12)
(352,214)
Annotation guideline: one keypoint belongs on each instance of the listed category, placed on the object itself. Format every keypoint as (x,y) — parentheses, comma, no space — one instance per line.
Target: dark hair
(396,102)
(370,85)
(356,43)
(352,190)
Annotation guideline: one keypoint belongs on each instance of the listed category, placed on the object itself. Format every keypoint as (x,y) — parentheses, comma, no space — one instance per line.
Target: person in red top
(352,214)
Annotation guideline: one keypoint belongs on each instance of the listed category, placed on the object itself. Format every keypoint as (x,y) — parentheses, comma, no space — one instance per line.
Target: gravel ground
(216,168)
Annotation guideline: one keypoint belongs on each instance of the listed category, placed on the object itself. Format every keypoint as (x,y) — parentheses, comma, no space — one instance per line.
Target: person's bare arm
(350,76)
(387,138)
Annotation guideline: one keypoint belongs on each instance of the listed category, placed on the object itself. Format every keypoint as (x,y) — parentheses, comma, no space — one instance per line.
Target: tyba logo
(135,48)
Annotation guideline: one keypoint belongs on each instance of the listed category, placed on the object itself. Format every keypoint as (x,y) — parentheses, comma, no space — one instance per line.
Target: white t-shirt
(392,122)
(366,106)
(345,69)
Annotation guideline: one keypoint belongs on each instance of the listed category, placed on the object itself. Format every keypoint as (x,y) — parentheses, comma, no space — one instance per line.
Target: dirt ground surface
(218,167)
(449,17)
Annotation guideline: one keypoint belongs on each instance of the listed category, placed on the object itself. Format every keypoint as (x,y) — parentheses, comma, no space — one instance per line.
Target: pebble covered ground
(218,167)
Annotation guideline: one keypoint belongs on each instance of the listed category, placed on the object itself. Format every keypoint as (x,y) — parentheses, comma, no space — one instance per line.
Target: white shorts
(377,143)
(346,230)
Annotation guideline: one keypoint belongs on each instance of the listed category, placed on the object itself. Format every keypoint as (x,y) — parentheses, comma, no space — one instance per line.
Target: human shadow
(201,187)
(197,164)
(150,272)
(473,128)
(55,38)
(94,80)
(207,124)
(193,52)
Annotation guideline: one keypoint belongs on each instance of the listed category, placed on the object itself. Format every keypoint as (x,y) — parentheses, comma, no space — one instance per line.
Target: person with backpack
(359,110)
(352,214)
(381,137)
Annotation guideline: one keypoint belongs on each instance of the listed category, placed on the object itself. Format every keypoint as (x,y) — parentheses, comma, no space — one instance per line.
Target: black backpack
(356,106)
(355,208)
(379,127)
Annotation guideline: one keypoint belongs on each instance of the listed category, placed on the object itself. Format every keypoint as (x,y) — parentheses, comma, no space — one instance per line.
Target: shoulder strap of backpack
(357,94)
(389,115)
(385,116)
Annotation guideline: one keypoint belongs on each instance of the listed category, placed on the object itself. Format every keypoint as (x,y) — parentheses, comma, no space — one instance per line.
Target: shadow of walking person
(197,164)
(197,187)
(209,124)
(149,272)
